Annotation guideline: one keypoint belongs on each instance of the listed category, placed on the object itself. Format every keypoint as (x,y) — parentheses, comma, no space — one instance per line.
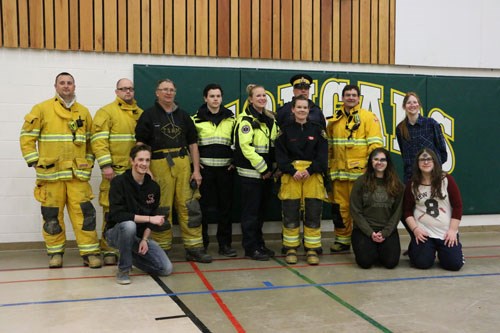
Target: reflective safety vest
(214,140)
(113,134)
(350,140)
(254,143)
(63,139)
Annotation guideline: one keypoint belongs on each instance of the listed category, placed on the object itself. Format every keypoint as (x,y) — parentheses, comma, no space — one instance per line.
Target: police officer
(214,124)
(113,135)
(171,133)
(254,137)
(353,133)
(302,156)
(55,140)
(301,84)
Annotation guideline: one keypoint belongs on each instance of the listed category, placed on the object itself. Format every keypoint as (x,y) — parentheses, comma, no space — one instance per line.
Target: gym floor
(242,295)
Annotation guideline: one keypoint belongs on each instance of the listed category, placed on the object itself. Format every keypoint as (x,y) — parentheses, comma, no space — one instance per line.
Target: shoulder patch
(245,129)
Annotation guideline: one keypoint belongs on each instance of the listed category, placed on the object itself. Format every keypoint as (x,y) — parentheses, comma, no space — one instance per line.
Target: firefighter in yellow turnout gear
(63,161)
(113,136)
(353,133)
(171,133)
(302,156)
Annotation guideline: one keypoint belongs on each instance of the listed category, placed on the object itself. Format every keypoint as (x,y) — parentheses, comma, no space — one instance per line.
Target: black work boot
(198,254)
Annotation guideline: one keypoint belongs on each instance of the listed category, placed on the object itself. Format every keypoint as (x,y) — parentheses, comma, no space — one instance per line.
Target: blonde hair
(251,87)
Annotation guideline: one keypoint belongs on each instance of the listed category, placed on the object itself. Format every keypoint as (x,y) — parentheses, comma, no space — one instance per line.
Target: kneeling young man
(133,201)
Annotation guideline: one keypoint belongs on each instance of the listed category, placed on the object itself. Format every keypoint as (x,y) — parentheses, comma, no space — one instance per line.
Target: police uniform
(214,144)
(169,134)
(302,147)
(254,137)
(63,163)
(351,138)
(113,136)
(284,113)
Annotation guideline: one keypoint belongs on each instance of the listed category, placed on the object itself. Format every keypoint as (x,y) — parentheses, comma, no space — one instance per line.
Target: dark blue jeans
(123,237)
(423,255)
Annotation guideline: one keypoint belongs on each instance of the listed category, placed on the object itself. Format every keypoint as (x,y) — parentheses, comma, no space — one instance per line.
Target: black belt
(163,154)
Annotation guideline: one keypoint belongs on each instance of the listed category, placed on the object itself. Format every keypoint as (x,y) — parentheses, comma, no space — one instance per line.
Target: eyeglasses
(381,160)
(126,89)
(426,160)
(166,90)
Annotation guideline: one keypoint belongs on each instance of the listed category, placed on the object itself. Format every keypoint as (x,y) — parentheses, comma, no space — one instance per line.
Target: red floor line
(217,298)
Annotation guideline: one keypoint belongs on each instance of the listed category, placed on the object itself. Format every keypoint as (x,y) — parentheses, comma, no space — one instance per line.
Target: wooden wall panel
(86,26)
(286,29)
(296,28)
(266,28)
(255,29)
(98,26)
(110,26)
(157,27)
(22,12)
(61,19)
(212,27)
(179,27)
(122,26)
(364,31)
(276,32)
(133,26)
(9,22)
(374,33)
(223,33)
(235,31)
(306,22)
(383,32)
(74,31)
(245,28)
(336,30)
(202,25)
(356,31)
(190,27)
(326,30)
(316,33)
(36,26)
(145,27)
(169,27)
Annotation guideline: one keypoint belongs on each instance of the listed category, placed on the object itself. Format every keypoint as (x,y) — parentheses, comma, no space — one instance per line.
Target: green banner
(464,106)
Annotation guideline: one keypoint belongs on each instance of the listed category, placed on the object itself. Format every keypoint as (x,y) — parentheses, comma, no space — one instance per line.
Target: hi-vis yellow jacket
(113,134)
(214,139)
(254,138)
(63,137)
(350,140)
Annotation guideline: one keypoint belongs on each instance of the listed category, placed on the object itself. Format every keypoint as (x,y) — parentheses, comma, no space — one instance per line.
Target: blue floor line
(267,286)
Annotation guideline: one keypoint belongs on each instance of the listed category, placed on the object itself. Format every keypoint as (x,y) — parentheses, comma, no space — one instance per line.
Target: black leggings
(368,252)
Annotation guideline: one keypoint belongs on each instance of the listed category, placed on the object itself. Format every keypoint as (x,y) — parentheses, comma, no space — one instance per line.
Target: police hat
(301,81)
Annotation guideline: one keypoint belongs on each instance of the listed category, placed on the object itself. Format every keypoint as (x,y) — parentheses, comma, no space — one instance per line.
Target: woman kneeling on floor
(433,209)
(376,207)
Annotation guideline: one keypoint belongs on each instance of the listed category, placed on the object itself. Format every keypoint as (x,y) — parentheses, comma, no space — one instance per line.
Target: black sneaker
(257,255)
(198,254)
(267,251)
(227,251)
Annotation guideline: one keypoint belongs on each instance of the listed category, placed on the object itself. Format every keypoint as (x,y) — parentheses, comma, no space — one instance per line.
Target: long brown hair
(391,180)
(437,174)
(403,125)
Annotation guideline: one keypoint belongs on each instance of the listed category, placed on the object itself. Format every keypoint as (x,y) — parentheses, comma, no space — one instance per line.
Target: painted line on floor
(266,288)
(236,324)
(181,305)
(335,297)
(171,317)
